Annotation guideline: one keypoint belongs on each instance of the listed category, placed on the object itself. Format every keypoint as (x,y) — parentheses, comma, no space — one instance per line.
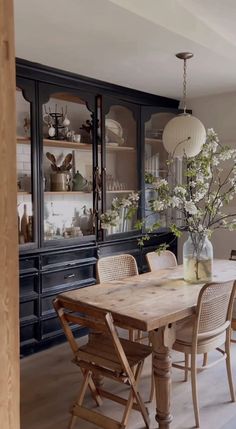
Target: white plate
(114,126)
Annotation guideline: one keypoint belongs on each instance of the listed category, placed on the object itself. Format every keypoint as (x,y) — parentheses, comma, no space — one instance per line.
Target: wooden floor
(50,382)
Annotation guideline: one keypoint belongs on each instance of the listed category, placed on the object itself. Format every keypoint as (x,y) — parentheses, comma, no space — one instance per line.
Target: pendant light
(184,134)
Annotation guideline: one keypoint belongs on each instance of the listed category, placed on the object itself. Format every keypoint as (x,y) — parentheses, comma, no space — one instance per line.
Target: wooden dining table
(153,302)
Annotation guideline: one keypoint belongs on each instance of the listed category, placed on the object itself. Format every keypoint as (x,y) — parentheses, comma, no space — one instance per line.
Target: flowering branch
(198,202)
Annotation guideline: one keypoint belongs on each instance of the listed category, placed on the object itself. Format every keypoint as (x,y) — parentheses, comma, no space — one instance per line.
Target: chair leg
(194,389)
(186,365)
(134,379)
(228,367)
(205,359)
(71,422)
(87,379)
(130,400)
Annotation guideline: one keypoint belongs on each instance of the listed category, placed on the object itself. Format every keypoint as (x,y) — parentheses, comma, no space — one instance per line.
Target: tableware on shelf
(51,131)
(24,224)
(66,121)
(114,132)
(79,182)
(59,181)
(77,138)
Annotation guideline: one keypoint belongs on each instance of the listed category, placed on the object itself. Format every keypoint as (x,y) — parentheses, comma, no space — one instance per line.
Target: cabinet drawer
(29,286)
(57,259)
(47,306)
(29,334)
(28,311)
(29,263)
(68,277)
(50,327)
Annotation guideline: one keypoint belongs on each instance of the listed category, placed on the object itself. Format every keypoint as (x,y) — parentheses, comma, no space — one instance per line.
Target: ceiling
(133,42)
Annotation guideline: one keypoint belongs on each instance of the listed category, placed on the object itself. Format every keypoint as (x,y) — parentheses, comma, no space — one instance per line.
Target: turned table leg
(162,340)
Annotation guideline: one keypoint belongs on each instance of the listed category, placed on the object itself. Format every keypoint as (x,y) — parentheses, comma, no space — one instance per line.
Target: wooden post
(9,296)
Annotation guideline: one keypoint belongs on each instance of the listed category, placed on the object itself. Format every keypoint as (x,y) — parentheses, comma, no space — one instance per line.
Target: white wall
(218,112)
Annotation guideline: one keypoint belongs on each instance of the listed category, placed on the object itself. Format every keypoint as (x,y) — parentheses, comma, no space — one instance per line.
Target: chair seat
(184,337)
(100,351)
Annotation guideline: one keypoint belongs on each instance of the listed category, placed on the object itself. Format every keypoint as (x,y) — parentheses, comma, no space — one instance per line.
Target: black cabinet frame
(38,83)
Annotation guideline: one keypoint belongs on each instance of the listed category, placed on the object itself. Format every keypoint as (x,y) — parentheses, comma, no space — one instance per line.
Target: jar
(197,258)
(59,182)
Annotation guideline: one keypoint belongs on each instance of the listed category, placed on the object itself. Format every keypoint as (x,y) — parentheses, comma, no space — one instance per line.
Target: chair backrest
(100,321)
(165,259)
(116,267)
(214,308)
(233,255)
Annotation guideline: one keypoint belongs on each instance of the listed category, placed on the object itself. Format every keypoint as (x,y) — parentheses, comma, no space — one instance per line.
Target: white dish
(114,126)
(112,144)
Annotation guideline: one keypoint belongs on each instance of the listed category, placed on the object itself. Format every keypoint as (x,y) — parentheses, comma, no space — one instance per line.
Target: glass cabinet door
(121,161)
(25,207)
(155,163)
(67,168)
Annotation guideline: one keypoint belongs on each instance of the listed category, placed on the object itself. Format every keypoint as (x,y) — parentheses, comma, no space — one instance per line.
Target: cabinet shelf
(19,193)
(23,140)
(64,143)
(123,191)
(152,140)
(66,193)
(71,145)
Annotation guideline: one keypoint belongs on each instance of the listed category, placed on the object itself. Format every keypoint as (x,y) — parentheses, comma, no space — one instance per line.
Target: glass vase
(197,258)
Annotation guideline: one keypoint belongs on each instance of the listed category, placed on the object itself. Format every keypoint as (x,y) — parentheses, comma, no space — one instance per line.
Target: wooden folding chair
(104,354)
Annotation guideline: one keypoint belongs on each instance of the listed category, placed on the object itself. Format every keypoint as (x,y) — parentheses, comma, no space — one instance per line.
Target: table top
(151,300)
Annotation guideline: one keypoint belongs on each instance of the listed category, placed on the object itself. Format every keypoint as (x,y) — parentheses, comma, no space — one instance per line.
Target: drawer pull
(69,276)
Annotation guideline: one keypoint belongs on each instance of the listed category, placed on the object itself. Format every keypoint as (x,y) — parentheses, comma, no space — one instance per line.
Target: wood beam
(9,296)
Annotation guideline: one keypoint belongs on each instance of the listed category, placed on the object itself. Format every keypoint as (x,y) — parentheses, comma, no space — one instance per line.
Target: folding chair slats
(104,354)
(96,418)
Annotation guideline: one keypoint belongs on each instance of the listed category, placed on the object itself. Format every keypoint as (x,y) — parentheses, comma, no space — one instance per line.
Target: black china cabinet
(81,143)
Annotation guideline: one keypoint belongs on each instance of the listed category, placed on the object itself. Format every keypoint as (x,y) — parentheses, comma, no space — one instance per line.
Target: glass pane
(155,165)
(24,171)
(67,166)
(121,161)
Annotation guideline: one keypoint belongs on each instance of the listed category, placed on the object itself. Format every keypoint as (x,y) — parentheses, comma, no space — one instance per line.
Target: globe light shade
(184,135)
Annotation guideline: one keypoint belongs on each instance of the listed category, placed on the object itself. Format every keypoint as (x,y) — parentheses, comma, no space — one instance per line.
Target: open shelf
(23,140)
(66,193)
(152,140)
(19,193)
(123,191)
(114,148)
(64,143)
(71,145)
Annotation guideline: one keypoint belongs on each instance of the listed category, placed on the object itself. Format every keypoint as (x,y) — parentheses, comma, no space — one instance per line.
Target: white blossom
(199,200)
(158,206)
(161,183)
(180,190)
(175,202)
(190,207)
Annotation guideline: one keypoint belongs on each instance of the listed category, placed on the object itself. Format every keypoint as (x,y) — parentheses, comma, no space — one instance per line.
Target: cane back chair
(165,259)
(106,355)
(117,267)
(233,324)
(207,330)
